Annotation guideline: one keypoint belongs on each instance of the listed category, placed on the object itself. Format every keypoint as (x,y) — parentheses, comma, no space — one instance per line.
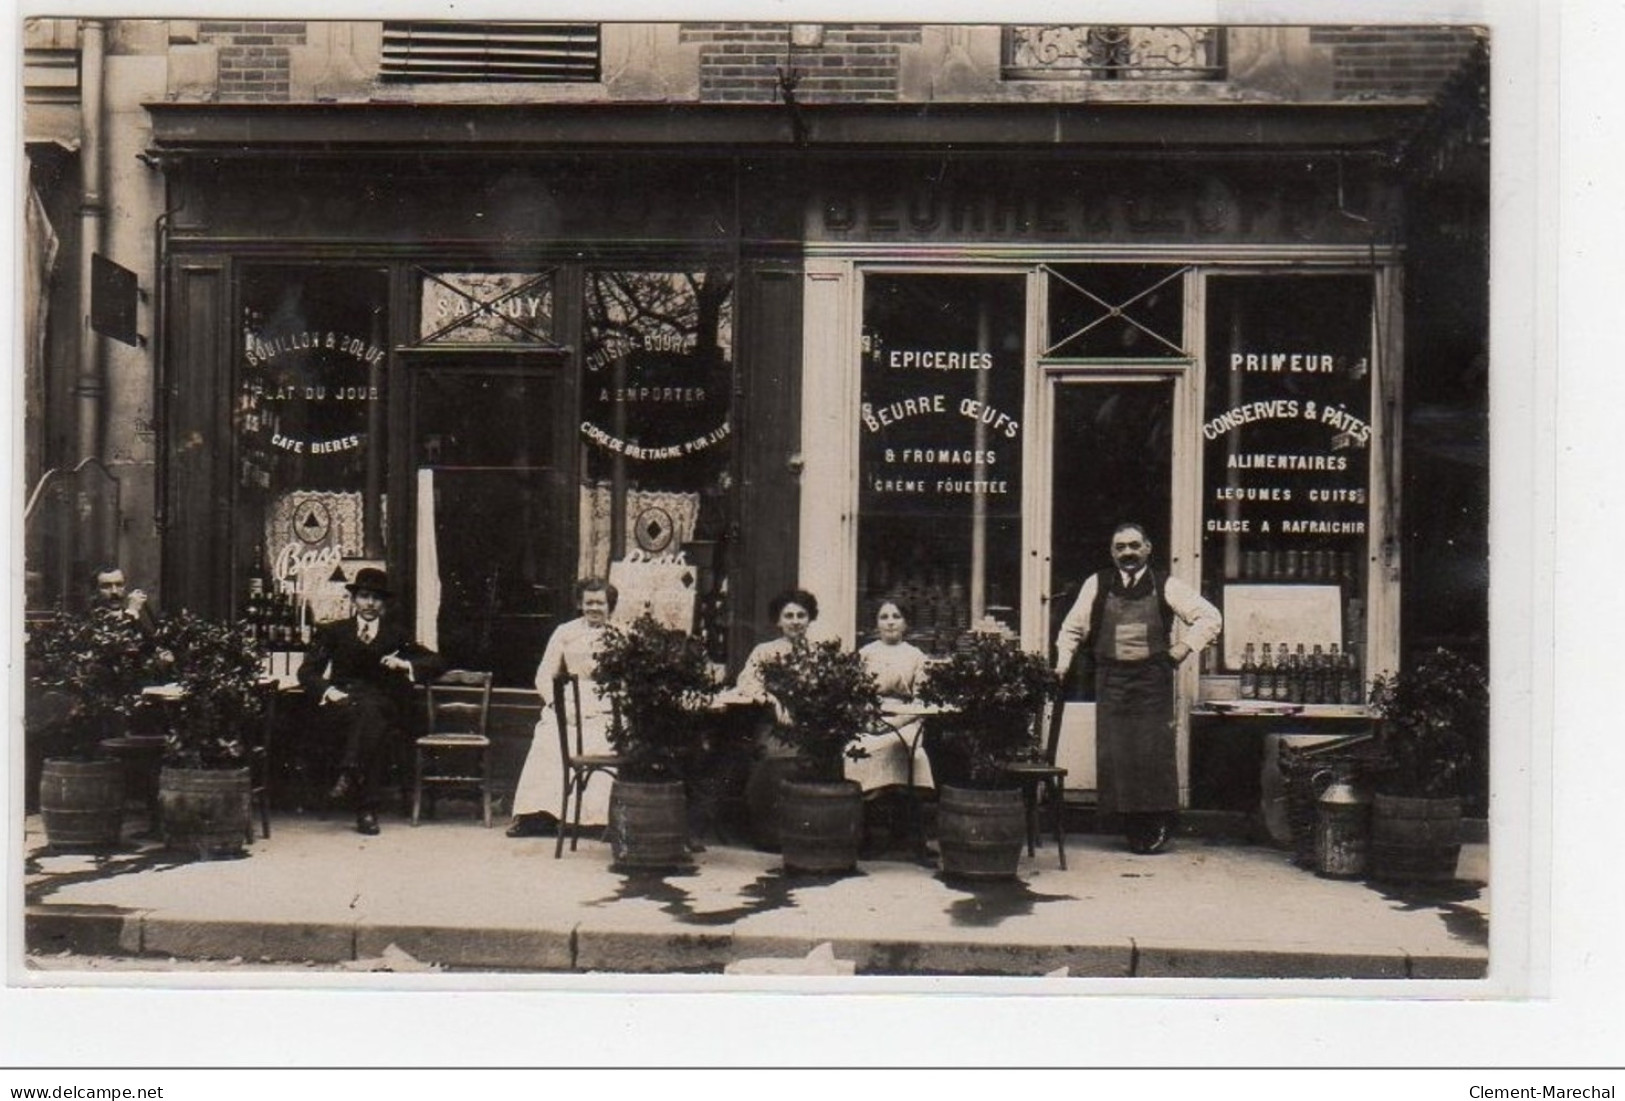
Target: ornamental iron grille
(426,51)
(1070,52)
(1115,311)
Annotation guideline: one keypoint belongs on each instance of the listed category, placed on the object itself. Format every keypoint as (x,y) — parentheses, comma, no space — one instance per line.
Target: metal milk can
(1342,828)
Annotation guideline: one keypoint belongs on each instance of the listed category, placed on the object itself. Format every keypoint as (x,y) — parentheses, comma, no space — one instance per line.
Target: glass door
(493,514)
(1111,460)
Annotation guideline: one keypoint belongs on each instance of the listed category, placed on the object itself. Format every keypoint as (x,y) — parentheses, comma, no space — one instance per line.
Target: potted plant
(830,700)
(210,706)
(992,692)
(85,675)
(1435,717)
(657,678)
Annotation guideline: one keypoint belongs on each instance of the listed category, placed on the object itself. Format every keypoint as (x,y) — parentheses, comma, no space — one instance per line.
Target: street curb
(96,931)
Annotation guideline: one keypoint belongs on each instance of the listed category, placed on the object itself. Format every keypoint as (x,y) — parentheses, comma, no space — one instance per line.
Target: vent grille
(493,53)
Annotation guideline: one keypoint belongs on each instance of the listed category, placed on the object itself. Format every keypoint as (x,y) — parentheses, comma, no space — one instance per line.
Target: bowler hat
(370,580)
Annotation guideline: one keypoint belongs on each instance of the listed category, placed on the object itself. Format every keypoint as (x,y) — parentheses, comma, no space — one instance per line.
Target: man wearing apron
(1124,619)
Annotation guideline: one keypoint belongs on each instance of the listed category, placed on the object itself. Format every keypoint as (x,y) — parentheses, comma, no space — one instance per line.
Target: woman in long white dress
(572,648)
(898,667)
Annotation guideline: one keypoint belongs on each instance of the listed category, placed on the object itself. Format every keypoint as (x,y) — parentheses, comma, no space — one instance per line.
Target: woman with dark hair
(572,648)
(792,612)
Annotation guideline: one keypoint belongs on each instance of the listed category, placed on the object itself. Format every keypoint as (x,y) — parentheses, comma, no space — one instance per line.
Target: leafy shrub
(657,677)
(217,667)
(994,689)
(96,666)
(1433,716)
(831,699)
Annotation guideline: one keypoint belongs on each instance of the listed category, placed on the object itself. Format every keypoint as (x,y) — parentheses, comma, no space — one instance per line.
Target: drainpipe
(91,384)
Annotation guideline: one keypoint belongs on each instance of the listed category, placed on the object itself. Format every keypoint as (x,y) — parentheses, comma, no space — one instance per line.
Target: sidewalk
(452,895)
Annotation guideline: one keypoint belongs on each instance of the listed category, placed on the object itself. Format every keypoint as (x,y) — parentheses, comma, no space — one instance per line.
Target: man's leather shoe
(342,788)
(533,825)
(366,822)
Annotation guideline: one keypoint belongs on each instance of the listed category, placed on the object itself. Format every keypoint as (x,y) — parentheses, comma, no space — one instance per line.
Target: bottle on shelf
(1266,675)
(1300,676)
(1350,688)
(1249,674)
(1284,672)
(1316,689)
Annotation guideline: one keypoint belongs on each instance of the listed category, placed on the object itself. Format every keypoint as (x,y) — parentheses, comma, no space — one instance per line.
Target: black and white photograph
(760,505)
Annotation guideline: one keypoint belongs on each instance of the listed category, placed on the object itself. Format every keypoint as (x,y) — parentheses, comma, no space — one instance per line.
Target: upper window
(422,51)
(1095,52)
(1115,311)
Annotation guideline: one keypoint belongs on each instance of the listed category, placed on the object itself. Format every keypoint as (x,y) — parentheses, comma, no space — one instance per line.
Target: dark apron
(1135,743)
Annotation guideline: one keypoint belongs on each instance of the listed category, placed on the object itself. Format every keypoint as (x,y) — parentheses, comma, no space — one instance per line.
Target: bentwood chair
(456,749)
(579,766)
(1044,774)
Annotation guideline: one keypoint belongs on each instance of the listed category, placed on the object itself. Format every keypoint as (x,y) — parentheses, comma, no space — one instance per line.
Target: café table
(906,720)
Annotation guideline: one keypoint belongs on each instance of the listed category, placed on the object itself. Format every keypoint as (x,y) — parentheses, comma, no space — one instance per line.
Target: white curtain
(428,579)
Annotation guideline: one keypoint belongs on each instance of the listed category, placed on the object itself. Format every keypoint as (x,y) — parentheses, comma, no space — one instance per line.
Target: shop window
(1288,498)
(1115,311)
(940,452)
(311,442)
(656,435)
(425,51)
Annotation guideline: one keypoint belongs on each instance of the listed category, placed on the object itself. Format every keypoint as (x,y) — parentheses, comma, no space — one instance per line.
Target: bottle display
(1249,674)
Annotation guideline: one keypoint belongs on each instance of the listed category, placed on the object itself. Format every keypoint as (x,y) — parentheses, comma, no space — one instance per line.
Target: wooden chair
(458,728)
(1045,774)
(579,766)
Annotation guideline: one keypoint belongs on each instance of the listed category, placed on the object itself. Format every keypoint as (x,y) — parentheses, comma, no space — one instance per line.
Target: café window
(1287,494)
(656,440)
(940,452)
(309,417)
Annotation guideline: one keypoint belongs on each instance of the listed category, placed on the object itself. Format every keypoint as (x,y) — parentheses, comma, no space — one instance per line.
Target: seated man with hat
(360,670)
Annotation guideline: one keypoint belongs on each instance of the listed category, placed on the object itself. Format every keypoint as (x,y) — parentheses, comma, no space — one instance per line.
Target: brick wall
(253,57)
(739,62)
(1392,61)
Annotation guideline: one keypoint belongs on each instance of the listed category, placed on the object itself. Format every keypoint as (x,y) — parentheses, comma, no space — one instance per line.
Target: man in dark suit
(114,600)
(360,670)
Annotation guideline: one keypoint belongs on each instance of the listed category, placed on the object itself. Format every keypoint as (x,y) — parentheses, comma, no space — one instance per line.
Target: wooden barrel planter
(981,831)
(820,825)
(205,810)
(82,803)
(1415,840)
(648,824)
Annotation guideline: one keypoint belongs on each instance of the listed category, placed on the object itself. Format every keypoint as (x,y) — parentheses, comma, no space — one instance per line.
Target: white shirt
(1201,621)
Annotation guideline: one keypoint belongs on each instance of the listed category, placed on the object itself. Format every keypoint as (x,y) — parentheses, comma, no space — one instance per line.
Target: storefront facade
(880,350)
